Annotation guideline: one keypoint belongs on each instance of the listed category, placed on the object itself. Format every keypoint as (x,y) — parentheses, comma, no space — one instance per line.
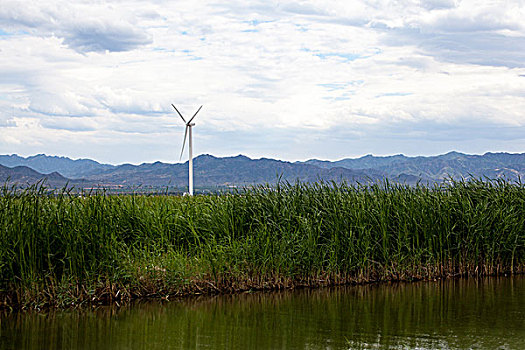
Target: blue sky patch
(395,94)
(256,22)
(341,86)
(347,56)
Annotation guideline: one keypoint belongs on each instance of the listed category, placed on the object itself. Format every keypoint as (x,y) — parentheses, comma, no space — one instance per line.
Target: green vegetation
(60,249)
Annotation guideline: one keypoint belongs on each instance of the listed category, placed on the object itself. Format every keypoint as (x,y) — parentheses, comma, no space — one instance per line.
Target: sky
(292,80)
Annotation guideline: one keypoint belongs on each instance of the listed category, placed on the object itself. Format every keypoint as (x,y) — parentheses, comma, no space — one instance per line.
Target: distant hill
(67,167)
(366,162)
(436,168)
(24,175)
(240,170)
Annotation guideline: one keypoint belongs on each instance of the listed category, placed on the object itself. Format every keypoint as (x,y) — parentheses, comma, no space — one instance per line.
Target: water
(455,314)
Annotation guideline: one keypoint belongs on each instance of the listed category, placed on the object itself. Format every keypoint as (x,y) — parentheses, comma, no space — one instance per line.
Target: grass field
(62,249)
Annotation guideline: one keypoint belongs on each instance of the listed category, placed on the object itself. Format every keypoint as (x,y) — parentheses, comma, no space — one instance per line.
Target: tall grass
(62,248)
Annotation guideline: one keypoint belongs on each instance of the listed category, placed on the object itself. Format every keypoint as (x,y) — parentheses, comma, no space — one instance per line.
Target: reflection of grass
(453,314)
(65,249)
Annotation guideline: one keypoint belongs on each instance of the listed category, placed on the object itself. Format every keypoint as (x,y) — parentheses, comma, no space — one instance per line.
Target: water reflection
(456,314)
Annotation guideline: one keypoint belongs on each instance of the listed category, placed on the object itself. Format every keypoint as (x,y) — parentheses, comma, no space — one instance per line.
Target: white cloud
(76,73)
(84,27)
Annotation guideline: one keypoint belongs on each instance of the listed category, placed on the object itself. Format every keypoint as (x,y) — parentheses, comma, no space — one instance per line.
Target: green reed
(59,247)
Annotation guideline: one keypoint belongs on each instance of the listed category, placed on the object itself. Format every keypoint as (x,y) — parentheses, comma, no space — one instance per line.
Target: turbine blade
(184,142)
(195,114)
(179,113)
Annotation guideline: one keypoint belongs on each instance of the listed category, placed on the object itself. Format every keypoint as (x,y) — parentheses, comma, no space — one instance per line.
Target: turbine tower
(189,124)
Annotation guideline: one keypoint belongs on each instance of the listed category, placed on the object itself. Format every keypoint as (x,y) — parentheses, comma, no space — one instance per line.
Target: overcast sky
(292,80)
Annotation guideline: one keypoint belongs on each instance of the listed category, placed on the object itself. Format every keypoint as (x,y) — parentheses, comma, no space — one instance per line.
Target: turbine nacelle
(189,124)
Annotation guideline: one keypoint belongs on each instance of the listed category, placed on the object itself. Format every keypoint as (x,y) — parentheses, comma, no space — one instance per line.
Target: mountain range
(240,170)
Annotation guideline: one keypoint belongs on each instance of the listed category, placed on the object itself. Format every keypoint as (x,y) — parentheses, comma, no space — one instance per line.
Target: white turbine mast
(187,131)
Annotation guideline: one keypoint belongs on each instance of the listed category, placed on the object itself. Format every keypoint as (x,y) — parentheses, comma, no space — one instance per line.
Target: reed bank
(62,249)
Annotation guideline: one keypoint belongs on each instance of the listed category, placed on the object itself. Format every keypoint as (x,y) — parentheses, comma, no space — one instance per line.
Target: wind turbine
(189,124)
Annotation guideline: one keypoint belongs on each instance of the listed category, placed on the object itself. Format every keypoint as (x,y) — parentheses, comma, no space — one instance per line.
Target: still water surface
(455,314)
